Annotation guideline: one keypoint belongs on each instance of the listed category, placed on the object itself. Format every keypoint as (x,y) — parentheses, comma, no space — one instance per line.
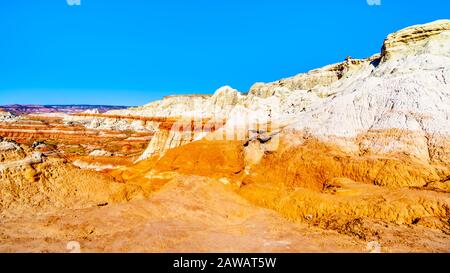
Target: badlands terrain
(351,157)
(31,109)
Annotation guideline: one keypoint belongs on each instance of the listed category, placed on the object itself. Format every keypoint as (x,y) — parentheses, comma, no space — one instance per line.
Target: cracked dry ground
(191,199)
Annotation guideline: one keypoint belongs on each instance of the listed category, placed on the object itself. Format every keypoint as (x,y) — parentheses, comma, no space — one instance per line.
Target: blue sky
(130,52)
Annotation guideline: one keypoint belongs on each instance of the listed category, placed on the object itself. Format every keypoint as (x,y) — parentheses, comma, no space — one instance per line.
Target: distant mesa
(23,109)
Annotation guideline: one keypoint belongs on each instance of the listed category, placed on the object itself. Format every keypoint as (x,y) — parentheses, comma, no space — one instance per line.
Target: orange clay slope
(307,180)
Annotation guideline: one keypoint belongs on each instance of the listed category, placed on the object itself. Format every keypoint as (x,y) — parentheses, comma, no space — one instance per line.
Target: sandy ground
(188,214)
(193,214)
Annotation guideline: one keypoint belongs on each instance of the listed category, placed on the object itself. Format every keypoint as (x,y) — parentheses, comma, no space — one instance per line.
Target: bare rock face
(170,106)
(394,102)
(310,81)
(8,146)
(357,103)
(164,140)
(100,153)
(400,104)
(384,120)
(8,117)
(224,100)
(95,121)
(429,38)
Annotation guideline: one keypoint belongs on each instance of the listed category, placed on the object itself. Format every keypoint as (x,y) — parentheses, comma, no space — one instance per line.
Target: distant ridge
(20,109)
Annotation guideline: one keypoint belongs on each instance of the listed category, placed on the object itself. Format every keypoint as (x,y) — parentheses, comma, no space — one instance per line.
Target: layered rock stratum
(397,101)
(336,159)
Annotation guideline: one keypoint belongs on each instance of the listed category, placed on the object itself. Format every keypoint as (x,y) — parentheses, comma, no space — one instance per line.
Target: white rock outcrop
(416,40)
(8,146)
(8,117)
(113,124)
(408,90)
(100,153)
(398,100)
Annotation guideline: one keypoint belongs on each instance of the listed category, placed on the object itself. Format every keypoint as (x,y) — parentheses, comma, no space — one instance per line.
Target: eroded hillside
(341,158)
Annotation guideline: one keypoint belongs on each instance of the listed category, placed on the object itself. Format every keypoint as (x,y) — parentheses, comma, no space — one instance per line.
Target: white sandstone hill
(398,100)
(359,152)
(406,88)
(94,120)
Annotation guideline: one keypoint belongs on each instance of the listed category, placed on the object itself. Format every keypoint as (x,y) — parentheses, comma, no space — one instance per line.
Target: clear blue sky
(130,52)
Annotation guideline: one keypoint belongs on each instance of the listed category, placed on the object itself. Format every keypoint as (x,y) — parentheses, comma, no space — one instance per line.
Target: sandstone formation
(419,39)
(86,148)
(344,129)
(8,117)
(8,145)
(380,105)
(100,153)
(95,121)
